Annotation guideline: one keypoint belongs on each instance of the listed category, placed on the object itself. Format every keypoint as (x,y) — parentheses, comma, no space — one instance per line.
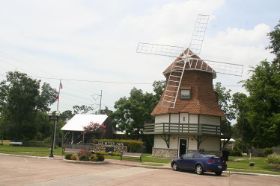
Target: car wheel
(199,169)
(218,173)
(175,166)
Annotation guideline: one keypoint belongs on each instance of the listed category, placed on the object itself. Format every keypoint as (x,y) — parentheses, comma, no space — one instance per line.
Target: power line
(95,81)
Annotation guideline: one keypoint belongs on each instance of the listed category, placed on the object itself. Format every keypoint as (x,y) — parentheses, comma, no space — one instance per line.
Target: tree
(21,98)
(225,102)
(243,130)
(131,113)
(264,104)
(134,111)
(258,114)
(83,109)
(274,37)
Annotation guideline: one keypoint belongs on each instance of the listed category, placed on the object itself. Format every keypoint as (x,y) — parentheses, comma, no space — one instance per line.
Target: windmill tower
(187,117)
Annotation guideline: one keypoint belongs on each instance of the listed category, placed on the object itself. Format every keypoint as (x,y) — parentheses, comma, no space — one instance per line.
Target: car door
(195,159)
(187,161)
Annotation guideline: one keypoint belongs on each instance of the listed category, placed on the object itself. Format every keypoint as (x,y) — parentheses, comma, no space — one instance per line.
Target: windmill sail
(187,59)
(175,51)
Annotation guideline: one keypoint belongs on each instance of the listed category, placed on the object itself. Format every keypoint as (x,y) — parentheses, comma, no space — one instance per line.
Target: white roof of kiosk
(79,121)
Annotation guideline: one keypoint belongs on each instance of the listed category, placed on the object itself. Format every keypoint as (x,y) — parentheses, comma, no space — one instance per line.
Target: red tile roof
(194,63)
(203,97)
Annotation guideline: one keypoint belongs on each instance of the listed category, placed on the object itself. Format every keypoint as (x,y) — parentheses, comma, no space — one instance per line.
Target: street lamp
(53,117)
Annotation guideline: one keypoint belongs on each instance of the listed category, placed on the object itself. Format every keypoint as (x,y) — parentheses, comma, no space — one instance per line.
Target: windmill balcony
(181,128)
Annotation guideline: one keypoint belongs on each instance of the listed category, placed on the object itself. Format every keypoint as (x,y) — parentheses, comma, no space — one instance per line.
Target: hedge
(132,145)
(274,158)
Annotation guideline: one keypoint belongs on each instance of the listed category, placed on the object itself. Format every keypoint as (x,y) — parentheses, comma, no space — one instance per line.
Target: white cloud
(97,41)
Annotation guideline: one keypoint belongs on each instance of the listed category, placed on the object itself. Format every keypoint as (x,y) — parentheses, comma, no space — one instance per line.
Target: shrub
(68,156)
(268,151)
(235,152)
(132,145)
(116,154)
(36,144)
(74,156)
(83,158)
(274,158)
(93,157)
(100,157)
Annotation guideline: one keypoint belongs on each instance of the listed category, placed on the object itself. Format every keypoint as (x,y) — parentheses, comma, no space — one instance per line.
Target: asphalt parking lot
(35,171)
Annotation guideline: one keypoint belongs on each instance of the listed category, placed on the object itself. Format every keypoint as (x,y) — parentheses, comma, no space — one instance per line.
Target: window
(188,156)
(185,94)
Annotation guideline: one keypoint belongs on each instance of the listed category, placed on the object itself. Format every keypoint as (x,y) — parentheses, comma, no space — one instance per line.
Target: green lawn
(146,158)
(32,151)
(242,164)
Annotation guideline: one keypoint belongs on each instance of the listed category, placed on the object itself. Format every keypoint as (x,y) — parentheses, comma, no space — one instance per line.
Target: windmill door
(182,146)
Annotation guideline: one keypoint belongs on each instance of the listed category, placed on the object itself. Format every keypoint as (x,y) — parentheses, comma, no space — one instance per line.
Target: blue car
(199,163)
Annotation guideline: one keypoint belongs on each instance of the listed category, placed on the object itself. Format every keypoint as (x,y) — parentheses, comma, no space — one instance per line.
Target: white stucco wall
(162,118)
(160,143)
(211,143)
(211,120)
(184,117)
(192,143)
(174,118)
(193,118)
(173,141)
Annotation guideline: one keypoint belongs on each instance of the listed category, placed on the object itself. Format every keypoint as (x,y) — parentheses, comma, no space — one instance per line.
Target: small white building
(74,128)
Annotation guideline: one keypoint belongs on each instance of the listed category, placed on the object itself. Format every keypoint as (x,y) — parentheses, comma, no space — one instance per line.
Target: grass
(150,158)
(242,164)
(31,151)
(146,158)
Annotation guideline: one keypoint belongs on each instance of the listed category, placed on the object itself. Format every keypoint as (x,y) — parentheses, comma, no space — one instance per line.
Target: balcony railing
(181,128)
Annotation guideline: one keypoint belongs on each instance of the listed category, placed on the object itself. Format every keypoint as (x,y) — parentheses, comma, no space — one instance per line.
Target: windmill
(187,59)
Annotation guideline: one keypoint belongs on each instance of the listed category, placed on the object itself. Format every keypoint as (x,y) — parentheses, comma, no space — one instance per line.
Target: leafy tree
(83,109)
(264,104)
(258,114)
(21,98)
(225,102)
(274,37)
(66,115)
(158,87)
(243,130)
(132,112)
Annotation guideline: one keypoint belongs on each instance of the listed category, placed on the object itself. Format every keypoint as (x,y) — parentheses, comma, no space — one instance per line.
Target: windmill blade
(226,68)
(218,66)
(158,49)
(199,33)
(175,51)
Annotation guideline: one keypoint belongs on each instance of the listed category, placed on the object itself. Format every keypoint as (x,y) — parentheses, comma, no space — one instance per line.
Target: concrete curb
(251,173)
(86,162)
(38,157)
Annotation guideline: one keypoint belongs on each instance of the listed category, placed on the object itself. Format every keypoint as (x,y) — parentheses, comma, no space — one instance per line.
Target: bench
(132,155)
(16,143)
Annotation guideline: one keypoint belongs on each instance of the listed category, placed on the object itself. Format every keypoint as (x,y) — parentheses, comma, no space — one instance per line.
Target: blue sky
(96,41)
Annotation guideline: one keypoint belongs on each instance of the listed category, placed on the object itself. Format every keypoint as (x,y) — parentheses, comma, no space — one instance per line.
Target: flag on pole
(58,97)
(60,85)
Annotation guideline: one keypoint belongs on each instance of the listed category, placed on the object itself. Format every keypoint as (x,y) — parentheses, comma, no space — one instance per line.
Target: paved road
(34,171)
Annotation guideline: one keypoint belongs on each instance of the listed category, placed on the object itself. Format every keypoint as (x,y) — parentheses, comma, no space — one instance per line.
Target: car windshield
(196,155)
